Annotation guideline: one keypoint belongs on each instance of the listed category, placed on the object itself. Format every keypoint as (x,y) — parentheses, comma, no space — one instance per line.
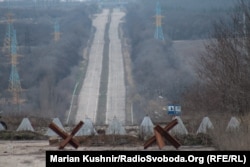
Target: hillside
(166,68)
(188,52)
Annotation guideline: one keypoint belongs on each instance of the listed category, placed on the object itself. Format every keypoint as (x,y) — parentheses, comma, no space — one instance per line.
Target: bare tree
(225,66)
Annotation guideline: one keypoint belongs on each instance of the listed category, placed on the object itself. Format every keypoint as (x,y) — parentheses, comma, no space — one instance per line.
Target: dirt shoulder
(31,153)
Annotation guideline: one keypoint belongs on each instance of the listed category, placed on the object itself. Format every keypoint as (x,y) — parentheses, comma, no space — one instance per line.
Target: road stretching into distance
(89,94)
(116,84)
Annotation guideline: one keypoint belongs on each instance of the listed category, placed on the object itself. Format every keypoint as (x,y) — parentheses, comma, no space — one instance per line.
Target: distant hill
(188,51)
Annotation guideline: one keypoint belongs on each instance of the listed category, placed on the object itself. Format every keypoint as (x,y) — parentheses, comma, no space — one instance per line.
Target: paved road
(116,83)
(88,97)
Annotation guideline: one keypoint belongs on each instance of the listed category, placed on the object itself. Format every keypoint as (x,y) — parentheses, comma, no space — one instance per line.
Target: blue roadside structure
(174,109)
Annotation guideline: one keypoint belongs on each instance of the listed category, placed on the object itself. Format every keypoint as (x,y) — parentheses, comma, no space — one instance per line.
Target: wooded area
(48,69)
(224,67)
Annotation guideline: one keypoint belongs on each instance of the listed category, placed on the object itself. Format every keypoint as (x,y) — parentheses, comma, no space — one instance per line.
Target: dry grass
(220,138)
(233,140)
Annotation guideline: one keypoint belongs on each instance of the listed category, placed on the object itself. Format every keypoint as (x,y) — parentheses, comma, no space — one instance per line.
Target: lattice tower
(7,40)
(14,80)
(158,21)
(57,33)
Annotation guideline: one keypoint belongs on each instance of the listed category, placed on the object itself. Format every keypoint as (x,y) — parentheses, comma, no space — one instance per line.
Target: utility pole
(71,103)
(245,50)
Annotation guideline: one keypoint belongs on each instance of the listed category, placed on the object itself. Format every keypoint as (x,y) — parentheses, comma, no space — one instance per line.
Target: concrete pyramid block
(4,125)
(1,127)
(146,128)
(50,132)
(115,128)
(25,125)
(87,128)
(180,128)
(233,124)
(205,125)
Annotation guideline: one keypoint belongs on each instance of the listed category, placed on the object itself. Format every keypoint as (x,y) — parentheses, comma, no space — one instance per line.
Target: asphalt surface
(89,94)
(116,94)
(116,84)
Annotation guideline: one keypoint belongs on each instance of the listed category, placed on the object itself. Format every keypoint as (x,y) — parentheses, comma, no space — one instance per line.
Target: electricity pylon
(56,31)
(158,17)
(7,40)
(14,79)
